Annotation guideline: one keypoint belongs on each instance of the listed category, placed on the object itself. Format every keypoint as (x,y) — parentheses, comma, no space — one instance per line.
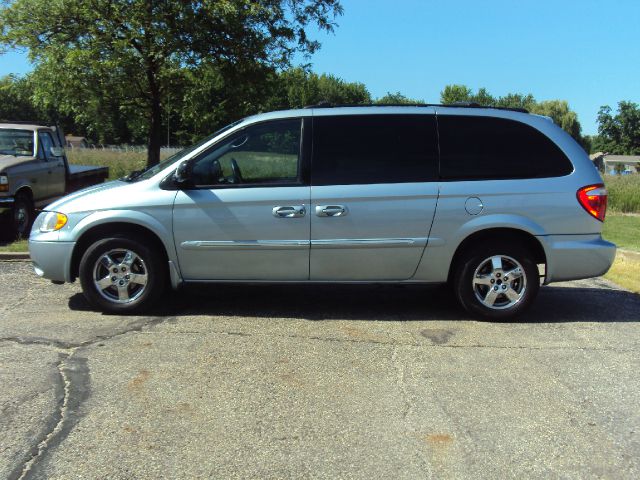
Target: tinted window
(479,148)
(361,149)
(264,153)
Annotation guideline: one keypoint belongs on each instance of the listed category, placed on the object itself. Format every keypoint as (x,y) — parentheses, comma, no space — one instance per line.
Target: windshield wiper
(133,175)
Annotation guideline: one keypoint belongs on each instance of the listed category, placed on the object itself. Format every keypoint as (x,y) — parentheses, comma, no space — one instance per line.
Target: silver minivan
(492,201)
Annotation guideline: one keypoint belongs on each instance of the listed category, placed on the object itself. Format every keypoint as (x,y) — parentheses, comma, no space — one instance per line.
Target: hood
(88,199)
(7,161)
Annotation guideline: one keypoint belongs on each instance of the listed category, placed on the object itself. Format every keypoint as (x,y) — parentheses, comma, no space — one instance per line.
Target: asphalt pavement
(317,382)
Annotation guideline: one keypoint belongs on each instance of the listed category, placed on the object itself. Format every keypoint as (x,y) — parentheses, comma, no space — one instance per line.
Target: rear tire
(496,281)
(122,275)
(22,216)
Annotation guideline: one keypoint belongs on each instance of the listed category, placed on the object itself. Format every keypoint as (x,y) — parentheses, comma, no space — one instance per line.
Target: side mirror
(57,151)
(182,175)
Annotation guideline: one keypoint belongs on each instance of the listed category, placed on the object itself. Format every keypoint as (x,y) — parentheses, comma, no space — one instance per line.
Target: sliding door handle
(294,211)
(331,210)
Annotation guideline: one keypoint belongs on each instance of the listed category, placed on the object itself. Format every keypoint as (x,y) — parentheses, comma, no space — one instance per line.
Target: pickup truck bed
(81,176)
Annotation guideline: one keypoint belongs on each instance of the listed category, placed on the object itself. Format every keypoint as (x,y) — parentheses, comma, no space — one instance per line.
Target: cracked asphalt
(318,382)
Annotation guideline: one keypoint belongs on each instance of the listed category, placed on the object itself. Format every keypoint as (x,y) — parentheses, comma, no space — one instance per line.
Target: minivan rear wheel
(122,275)
(496,281)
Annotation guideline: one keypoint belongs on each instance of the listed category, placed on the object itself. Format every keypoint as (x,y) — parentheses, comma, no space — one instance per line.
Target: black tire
(510,297)
(22,216)
(148,263)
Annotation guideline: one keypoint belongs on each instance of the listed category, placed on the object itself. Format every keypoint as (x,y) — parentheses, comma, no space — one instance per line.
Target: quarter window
(267,153)
(364,149)
(484,148)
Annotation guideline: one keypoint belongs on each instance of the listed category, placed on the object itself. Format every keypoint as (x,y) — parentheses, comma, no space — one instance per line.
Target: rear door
(247,216)
(373,195)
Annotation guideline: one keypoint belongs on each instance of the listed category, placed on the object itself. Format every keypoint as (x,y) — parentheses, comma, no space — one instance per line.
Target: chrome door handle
(293,211)
(331,210)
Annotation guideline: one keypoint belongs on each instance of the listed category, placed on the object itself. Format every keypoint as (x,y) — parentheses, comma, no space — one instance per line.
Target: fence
(164,151)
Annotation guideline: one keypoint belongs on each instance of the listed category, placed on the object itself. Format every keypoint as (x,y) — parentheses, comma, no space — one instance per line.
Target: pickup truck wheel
(496,282)
(22,216)
(122,275)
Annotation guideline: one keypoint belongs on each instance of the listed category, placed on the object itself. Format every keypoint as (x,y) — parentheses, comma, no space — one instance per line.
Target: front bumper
(572,257)
(6,203)
(52,260)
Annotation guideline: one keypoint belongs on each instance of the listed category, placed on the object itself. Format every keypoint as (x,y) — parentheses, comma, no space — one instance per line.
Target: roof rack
(454,105)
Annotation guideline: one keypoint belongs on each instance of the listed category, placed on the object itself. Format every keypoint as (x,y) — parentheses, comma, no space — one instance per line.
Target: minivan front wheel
(496,282)
(121,275)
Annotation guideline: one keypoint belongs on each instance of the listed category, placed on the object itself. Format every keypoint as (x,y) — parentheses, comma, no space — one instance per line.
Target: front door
(55,167)
(373,196)
(247,215)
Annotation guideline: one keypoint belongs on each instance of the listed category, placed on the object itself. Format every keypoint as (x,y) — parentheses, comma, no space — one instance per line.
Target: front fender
(160,227)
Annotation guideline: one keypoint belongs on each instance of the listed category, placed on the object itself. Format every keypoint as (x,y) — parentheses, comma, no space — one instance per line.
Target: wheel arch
(521,237)
(110,229)
(26,190)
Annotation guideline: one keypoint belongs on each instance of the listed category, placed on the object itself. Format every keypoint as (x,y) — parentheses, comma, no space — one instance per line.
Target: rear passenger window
(484,148)
(362,149)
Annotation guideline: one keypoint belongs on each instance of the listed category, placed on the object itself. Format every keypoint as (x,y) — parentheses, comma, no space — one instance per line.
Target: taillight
(593,199)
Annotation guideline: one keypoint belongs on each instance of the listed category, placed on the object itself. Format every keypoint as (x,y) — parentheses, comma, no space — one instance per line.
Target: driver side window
(267,153)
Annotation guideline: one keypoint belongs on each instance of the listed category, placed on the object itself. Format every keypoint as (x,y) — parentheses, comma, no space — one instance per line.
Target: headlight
(4,183)
(53,221)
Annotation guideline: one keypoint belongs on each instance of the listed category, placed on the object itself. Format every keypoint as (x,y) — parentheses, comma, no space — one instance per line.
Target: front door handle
(331,210)
(294,211)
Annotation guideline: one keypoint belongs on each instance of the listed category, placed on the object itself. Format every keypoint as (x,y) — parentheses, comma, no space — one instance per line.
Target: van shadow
(384,303)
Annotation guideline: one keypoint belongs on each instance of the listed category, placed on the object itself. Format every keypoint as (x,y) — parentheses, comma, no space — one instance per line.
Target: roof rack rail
(454,105)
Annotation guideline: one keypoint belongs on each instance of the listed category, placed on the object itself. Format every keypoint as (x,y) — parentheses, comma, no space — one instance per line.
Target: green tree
(561,114)
(455,94)
(297,88)
(15,99)
(619,133)
(17,103)
(558,110)
(397,98)
(127,54)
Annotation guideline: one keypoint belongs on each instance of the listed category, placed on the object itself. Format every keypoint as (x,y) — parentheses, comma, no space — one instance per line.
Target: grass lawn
(626,271)
(623,230)
(20,246)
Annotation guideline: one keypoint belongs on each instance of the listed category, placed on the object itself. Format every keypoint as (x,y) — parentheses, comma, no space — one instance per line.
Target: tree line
(161,72)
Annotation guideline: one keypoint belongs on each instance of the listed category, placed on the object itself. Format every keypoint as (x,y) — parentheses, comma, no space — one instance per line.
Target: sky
(584,51)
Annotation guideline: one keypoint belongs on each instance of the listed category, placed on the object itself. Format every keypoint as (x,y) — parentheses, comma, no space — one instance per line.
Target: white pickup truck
(34,172)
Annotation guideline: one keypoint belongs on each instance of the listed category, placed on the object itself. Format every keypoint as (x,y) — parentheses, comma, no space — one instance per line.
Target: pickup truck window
(47,142)
(16,142)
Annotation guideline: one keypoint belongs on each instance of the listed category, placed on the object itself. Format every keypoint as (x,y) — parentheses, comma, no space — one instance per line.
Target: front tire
(22,216)
(496,282)
(122,275)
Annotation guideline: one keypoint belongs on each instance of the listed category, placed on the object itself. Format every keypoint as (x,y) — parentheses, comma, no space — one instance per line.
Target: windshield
(176,157)
(16,142)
